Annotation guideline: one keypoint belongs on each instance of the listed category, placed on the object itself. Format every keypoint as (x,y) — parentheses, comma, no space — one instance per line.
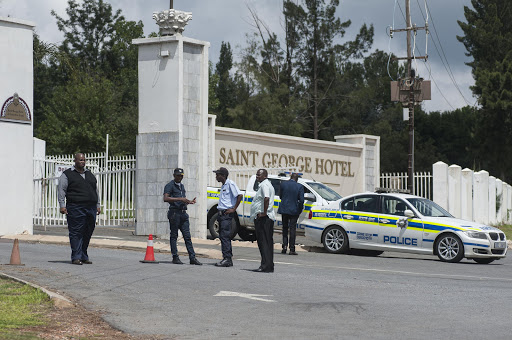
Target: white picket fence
(399,181)
(116,187)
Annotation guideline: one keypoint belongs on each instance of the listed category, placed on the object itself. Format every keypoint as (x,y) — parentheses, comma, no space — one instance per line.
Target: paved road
(313,295)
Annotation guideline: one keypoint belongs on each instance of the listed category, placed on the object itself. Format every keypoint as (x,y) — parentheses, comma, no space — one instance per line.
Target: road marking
(481,278)
(107,237)
(244,295)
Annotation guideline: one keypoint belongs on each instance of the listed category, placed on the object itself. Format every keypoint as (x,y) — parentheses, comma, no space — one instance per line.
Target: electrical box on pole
(410,90)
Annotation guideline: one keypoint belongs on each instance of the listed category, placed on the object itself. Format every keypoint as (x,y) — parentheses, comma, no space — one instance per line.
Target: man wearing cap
(229,200)
(174,194)
(292,203)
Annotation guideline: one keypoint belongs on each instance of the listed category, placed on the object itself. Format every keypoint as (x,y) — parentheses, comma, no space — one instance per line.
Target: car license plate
(499,245)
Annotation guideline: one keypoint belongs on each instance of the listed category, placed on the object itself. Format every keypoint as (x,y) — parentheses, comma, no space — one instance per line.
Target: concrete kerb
(58,300)
(159,246)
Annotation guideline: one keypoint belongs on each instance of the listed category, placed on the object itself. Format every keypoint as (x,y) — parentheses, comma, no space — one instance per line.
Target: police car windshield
(428,208)
(327,193)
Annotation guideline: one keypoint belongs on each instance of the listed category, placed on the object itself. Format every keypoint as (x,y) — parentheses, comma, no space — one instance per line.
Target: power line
(430,72)
(447,65)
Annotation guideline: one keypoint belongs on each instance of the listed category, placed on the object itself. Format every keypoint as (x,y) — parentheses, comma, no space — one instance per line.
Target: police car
(378,222)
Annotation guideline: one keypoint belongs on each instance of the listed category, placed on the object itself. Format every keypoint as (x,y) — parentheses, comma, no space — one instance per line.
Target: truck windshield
(327,193)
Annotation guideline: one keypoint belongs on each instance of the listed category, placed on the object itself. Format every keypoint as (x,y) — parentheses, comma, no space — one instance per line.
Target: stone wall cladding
(192,60)
(157,156)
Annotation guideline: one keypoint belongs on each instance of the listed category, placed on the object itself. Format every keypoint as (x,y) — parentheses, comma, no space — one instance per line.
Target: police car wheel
(335,240)
(449,248)
(484,261)
(213,226)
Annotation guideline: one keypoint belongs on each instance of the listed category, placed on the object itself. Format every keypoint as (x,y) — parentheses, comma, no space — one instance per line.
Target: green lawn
(507,229)
(20,306)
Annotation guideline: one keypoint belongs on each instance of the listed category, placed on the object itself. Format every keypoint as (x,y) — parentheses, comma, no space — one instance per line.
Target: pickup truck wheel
(335,240)
(213,226)
(246,235)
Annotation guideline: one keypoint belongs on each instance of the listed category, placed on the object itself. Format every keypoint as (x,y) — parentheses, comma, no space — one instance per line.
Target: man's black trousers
(289,223)
(265,236)
(81,223)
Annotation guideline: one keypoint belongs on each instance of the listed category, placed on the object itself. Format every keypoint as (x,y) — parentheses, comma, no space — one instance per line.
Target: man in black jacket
(292,203)
(79,200)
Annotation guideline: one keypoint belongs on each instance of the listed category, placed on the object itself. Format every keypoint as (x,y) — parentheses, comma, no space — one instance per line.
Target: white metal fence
(399,181)
(116,187)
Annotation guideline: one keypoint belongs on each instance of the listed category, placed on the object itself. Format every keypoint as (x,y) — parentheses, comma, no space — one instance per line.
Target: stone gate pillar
(16,126)
(173,123)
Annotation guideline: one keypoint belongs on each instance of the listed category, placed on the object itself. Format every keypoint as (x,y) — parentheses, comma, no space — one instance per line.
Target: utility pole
(410,90)
(410,162)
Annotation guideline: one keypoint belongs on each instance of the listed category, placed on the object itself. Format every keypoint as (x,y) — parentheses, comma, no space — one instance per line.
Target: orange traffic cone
(150,254)
(15,255)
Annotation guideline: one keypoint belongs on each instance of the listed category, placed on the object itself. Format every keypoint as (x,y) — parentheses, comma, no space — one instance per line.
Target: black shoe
(86,262)
(224,263)
(79,262)
(283,251)
(176,260)
(261,270)
(196,262)
(292,252)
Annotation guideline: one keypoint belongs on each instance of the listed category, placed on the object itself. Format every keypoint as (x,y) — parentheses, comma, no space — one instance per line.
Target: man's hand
(64,211)
(230,211)
(261,215)
(99,211)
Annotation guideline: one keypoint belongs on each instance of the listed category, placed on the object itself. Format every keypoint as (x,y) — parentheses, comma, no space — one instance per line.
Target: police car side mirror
(408,213)
(309,197)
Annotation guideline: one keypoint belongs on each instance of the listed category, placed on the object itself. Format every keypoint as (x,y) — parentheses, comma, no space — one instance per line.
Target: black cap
(222,171)
(179,171)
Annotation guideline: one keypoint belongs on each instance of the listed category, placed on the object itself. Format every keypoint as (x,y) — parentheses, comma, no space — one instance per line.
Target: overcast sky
(228,20)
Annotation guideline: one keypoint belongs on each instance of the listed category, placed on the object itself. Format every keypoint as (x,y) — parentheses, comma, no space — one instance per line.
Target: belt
(222,212)
(180,210)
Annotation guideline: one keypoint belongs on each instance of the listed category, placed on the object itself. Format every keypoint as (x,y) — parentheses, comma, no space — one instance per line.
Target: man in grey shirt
(79,200)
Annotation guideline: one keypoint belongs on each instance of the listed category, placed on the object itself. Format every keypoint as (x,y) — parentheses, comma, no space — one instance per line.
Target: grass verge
(21,306)
(507,229)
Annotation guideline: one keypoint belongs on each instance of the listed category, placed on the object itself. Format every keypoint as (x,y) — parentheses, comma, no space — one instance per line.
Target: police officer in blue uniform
(174,194)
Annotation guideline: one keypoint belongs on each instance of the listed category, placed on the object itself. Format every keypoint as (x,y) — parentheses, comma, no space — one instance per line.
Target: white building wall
(454,190)
(481,197)
(16,165)
(466,194)
(499,201)
(440,184)
(492,200)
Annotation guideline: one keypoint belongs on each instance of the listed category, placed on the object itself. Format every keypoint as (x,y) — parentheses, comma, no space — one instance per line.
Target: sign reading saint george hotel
(349,165)
(15,109)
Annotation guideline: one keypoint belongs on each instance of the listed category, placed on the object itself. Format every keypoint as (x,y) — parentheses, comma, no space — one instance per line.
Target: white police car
(378,222)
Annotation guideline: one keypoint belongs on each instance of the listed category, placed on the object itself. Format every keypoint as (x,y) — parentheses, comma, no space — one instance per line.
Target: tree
(488,40)
(224,87)
(96,53)
(318,57)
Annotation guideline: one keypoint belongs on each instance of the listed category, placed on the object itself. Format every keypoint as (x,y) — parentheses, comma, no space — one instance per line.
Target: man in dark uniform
(79,200)
(174,194)
(292,203)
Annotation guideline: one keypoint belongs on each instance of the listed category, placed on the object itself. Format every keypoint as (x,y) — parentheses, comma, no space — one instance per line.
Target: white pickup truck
(316,196)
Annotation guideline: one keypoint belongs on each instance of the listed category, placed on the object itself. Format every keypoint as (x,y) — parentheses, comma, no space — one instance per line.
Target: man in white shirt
(229,199)
(262,212)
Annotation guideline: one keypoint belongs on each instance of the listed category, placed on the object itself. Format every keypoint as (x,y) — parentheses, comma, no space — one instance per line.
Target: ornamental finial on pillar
(172,21)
